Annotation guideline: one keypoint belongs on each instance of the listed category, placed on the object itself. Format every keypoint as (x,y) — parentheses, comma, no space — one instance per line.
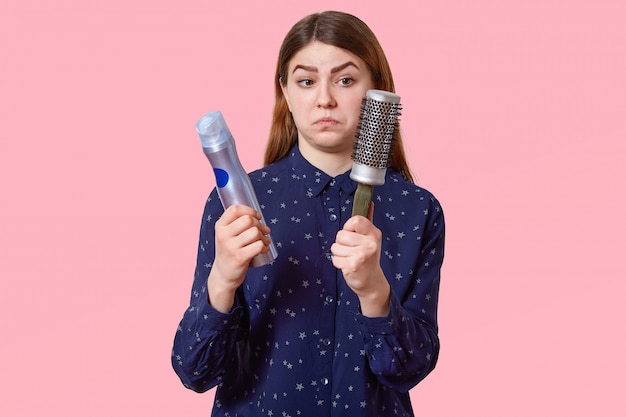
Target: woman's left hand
(356,252)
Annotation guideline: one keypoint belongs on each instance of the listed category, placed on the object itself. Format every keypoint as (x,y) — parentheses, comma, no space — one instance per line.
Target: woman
(344,321)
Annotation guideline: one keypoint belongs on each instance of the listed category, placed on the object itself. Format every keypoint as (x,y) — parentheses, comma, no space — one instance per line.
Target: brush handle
(362,200)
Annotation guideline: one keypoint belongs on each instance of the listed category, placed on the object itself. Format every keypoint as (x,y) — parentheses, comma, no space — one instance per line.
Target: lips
(326,121)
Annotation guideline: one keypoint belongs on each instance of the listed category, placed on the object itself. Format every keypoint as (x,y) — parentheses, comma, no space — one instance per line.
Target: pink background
(515,114)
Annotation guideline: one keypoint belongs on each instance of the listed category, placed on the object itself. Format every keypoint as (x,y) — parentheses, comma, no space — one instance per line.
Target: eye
(306,82)
(346,81)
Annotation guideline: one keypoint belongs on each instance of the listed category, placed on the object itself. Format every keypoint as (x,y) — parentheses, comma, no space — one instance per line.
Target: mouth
(326,121)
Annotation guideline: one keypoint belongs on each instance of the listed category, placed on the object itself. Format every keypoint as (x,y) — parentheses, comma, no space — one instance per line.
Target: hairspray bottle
(233,183)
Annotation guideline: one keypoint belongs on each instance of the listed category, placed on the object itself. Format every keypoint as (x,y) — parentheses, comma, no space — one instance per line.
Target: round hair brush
(372,148)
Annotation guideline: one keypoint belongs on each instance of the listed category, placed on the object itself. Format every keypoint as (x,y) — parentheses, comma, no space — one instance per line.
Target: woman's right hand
(239,237)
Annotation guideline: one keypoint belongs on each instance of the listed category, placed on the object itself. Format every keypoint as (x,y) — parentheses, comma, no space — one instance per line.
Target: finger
(358,224)
(236,211)
(244,223)
(241,248)
(340,251)
(254,248)
(251,236)
(348,238)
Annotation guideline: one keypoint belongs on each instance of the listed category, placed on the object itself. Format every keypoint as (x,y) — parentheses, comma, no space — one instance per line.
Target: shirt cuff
(381,325)
(217,321)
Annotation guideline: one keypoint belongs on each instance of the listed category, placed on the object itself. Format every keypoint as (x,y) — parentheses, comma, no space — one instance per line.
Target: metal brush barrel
(378,124)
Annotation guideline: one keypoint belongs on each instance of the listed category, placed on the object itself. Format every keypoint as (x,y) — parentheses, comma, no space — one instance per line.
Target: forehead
(323,56)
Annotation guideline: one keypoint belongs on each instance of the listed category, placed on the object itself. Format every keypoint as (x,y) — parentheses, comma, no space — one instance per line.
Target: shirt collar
(316,179)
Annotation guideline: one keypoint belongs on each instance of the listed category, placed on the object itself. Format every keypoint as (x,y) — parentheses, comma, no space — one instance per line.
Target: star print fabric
(295,342)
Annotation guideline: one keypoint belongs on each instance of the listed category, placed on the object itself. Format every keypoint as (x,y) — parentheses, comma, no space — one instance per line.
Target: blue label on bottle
(221,177)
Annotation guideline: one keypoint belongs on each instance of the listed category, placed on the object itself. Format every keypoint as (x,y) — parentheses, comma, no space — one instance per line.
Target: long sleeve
(403,347)
(207,343)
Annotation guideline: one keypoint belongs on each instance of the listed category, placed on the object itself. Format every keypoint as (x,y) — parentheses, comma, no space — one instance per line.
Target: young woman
(344,321)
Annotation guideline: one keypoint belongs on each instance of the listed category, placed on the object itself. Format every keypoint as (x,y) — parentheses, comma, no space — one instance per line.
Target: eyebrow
(332,71)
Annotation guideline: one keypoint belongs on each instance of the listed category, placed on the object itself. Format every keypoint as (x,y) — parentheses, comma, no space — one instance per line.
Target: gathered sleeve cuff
(401,350)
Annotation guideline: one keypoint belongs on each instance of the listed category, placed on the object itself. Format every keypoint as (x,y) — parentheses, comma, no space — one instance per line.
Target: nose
(325,97)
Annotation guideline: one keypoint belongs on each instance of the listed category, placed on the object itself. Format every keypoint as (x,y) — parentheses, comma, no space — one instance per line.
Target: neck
(331,163)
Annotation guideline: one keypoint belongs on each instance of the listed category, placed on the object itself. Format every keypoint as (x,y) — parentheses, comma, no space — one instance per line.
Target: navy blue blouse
(295,342)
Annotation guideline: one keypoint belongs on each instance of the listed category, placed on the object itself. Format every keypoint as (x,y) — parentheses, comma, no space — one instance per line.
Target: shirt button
(333,217)
(325,381)
(329,256)
(329,299)
(326,342)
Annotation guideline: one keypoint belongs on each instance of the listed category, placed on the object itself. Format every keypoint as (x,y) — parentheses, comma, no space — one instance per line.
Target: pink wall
(514,114)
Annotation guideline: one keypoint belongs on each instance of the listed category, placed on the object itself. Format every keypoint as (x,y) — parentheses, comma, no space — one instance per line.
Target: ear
(283,88)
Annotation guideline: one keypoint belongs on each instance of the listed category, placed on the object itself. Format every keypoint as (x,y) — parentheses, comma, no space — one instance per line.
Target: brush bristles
(378,125)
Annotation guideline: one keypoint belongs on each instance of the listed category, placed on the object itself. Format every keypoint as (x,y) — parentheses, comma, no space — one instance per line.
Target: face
(324,90)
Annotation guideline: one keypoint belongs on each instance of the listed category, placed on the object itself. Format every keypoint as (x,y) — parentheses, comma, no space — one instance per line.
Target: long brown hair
(343,31)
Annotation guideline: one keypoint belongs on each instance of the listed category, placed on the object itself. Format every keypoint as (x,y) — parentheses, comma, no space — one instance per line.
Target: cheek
(356,105)
(292,98)
(299,106)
